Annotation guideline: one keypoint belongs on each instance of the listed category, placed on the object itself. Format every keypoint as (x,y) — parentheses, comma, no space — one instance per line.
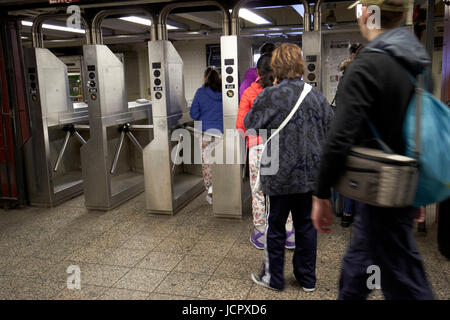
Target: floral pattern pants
(208,144)
(258,199)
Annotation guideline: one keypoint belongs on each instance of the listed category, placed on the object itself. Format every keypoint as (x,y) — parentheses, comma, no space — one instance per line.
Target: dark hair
(265,71)
(355,47)
(213,80)
(267,48)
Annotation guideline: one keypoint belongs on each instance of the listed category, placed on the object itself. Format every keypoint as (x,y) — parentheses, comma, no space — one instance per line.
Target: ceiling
(193,23)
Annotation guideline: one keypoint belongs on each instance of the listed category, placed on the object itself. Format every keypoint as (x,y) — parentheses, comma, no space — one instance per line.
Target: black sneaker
(257,279)
(346,220)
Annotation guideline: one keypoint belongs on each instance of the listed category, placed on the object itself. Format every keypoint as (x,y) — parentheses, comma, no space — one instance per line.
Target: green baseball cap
(385,5)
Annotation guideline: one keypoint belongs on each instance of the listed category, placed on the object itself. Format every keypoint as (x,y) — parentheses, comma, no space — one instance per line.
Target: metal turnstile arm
(125,131)
(117,154)
(62,151)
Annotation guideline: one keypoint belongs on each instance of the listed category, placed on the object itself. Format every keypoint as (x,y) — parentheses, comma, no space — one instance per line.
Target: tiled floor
(129,254)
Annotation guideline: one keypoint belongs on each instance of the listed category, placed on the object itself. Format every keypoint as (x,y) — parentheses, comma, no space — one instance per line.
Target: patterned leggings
(258,199)
(208,145)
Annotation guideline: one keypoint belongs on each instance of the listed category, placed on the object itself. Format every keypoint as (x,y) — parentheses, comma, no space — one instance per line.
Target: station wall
(193,53)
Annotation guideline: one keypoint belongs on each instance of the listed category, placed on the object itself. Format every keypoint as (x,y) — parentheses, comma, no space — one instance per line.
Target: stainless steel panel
(231,194)
(167,190)
(50,111)
(108,113)
(312,46)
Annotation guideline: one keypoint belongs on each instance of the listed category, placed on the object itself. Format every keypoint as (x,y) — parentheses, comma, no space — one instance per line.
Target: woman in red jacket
(255,146)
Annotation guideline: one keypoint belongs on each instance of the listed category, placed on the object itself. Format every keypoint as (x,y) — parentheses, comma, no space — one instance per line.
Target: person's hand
(322,215)
(420,217)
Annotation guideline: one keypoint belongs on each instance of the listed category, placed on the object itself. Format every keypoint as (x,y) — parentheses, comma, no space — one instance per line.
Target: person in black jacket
(289,189)
(376,86)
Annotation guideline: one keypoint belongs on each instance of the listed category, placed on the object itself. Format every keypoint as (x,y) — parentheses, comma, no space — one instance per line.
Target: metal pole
(117,154)
(445,82)
(62,151)
(79,137)
(135,141)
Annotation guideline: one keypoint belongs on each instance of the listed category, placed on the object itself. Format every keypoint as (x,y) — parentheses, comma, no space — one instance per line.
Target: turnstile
(231,186)
(52,155)
(169,187)
(112,158)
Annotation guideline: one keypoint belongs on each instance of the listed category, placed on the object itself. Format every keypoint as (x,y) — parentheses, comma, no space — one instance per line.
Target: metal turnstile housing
(168,187)
(51,112)
(231,187)
(108,112)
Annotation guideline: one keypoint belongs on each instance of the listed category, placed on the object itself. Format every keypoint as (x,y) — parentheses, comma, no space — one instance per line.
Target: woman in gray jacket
(290,188)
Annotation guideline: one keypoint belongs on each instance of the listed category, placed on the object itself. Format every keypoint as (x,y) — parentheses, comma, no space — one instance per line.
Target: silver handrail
(162,19)
(97,36)
(36,28)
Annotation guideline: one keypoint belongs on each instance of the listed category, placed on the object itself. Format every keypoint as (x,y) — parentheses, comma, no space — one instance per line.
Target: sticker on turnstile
(230,86)
(157,88)
(314,84)
(93,90)
(230,93)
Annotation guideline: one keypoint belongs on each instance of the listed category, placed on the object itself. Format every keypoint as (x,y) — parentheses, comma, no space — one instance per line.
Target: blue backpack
(426,131)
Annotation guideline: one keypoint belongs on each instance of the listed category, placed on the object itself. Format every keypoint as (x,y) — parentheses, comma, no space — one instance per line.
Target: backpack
(432,117)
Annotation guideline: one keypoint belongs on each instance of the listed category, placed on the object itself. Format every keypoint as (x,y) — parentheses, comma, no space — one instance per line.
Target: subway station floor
(129,254)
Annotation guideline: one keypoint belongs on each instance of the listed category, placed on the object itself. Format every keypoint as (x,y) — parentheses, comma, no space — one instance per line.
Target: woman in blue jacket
(207,108)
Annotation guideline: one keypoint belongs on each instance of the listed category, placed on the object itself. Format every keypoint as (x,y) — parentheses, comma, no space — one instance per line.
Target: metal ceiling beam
(200,19)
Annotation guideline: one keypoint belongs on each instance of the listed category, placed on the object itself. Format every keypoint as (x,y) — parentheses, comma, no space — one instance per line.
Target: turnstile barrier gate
(231,187)
(112,165)
(52,155)
(169,187)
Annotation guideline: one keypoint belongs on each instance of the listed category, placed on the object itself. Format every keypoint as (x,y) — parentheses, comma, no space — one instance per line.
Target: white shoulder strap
(306,89)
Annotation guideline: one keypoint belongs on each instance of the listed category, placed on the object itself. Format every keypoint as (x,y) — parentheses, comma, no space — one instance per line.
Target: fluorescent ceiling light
(294,33)
(53,27)
(252,17)
(299,8)
(143,21)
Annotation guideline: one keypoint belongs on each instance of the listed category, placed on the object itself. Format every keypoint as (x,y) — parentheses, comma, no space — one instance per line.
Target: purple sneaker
(257,238)
(290,240)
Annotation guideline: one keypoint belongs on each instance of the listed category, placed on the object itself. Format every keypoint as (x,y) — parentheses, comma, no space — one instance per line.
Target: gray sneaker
(256,279)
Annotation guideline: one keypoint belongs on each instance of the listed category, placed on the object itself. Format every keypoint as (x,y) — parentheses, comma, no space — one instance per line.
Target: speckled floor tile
(124,257)
(87,292)
(101,275)
(238,268)
(203,264)
(158,230)
(123,294)
(245,250)
(111,239)
(28,267)
(222,288)
(160,261)
(260,293)
(181,245)
(211,248)
(90,254)
(183,284)
(141,280)
(55,251)
(159,296)
(189,231)
(143,242)
(37,289)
